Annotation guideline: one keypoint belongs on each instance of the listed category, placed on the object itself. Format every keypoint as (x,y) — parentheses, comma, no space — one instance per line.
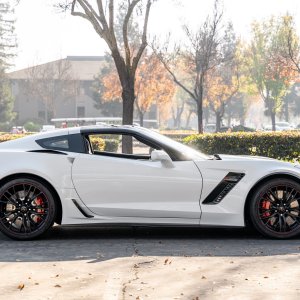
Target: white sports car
(67,177)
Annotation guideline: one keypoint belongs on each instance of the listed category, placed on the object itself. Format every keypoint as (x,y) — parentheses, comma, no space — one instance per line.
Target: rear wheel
(27,209)
(275,208)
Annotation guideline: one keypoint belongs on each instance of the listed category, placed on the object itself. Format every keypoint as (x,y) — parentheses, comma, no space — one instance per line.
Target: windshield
(183,149)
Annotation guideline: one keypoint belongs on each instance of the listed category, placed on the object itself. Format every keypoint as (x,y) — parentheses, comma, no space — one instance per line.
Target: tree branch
(128,15)
(111,16)
(174,77)
(88,15)
(143,45)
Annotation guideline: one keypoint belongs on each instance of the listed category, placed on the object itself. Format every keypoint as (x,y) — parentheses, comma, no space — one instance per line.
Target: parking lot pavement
(149,263)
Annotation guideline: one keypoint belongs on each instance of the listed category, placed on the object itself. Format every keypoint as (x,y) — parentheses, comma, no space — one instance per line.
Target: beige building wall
(81,69)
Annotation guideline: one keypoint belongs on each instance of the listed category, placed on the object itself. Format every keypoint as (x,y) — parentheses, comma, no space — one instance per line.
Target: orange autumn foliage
(152,86)
(220,90)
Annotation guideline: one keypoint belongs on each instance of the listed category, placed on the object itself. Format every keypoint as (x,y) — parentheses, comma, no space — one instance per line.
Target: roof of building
(73,67)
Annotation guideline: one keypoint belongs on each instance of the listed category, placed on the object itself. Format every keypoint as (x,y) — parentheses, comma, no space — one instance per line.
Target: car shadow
(68,243)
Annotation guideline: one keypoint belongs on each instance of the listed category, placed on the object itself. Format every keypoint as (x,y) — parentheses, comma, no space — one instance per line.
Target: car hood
(227,157)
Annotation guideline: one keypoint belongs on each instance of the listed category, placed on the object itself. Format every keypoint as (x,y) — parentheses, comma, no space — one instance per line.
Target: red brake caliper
(266,206)
(39,202)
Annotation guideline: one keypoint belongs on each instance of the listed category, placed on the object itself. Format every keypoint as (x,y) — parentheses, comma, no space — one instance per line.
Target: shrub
(97,143)
(8,137)
(32,127)
(111,145)
(280,145)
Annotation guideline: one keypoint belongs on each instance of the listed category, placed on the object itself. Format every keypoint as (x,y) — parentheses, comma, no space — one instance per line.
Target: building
(60,89)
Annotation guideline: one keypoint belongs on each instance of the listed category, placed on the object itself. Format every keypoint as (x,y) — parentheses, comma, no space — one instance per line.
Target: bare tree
(201,56)
(101,14)
(291,50)
(51,82)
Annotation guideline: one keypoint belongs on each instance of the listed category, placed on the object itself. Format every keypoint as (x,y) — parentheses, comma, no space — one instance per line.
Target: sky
(45,35)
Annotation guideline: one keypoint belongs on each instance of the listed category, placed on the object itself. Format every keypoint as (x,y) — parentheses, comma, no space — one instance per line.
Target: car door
(122,187)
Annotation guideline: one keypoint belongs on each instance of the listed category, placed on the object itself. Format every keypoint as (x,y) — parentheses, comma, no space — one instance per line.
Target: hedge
(111,145)
(280,145)
(4,137)
(97,143)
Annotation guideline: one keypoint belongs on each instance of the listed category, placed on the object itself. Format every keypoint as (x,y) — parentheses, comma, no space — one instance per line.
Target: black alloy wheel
(27,209)
(275,208)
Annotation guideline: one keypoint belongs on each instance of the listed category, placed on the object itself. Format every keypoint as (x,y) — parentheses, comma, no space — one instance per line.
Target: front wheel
(275,208)
(27,209)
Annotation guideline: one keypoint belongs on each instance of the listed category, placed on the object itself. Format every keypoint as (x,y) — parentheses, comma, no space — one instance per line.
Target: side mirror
(163,157)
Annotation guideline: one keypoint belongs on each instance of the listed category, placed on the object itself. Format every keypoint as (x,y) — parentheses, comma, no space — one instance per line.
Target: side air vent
(223,188)
(84,213)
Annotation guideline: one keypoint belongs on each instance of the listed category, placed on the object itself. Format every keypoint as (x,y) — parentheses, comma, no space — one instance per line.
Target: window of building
(41,114)
(80,111)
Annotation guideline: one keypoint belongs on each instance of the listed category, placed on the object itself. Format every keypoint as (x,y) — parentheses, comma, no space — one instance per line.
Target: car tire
(275,208)
(27,208)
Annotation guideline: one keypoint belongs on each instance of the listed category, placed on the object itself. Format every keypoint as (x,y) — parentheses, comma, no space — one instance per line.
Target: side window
(61,144)
(70,143)
(113,144)
(55,143)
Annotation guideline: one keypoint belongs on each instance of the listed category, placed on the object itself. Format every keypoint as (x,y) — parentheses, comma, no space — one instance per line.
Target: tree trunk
(229,120)
(200,105)
(128,108)
(206,114)
(141,117)
(188,119)
(273,120)
(286,110)
(218,121)
(200,117)
(179,121)
(242,120)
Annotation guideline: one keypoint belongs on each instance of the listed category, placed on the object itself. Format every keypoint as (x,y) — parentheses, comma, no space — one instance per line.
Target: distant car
(47,128)
(280,126)
(64,177)
(210,128)
(284,126)
(18,130)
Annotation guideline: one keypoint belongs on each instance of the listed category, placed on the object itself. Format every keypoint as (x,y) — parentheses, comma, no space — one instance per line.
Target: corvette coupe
(130,175)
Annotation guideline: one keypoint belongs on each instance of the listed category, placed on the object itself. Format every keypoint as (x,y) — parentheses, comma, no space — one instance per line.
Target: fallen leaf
(57,275)
(21,286)
(266,277)
(166,261)
(57,286)
(36,283)
(203,277)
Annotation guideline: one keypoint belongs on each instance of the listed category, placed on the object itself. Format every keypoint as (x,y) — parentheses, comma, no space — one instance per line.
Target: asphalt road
(100,244)
(72,263)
